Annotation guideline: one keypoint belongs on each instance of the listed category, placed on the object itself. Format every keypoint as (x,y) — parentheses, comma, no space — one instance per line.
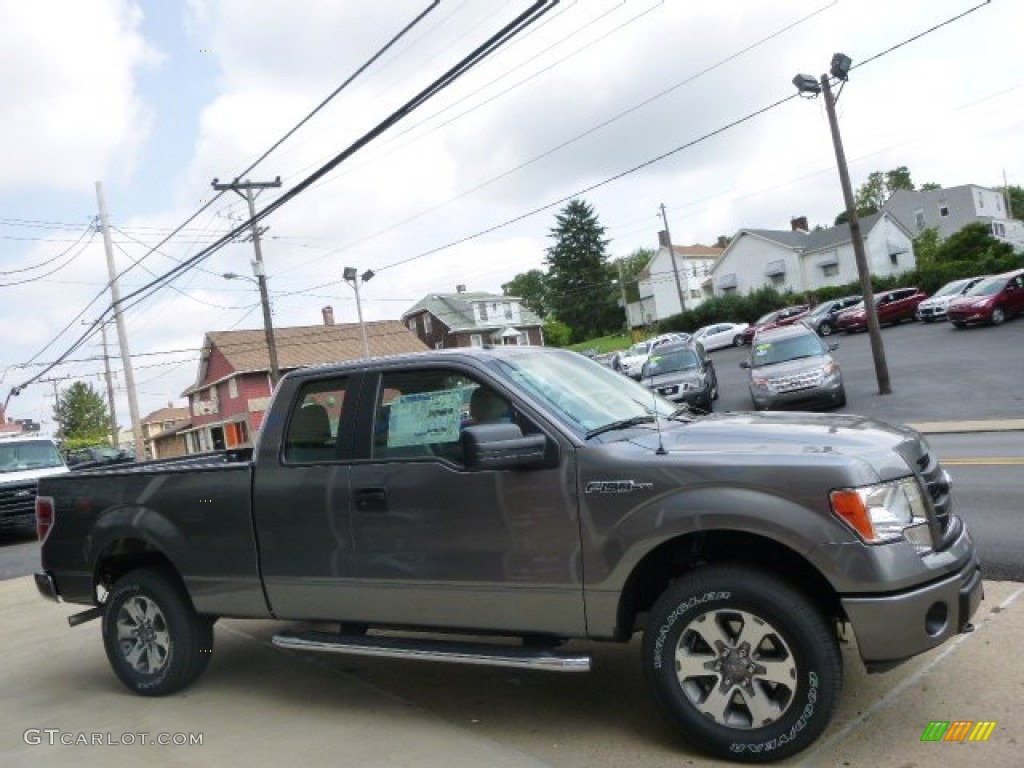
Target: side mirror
(503,446)
(745,364)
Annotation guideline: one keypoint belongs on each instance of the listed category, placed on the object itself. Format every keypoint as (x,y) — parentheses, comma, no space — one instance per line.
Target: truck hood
(30,474)
(890,450)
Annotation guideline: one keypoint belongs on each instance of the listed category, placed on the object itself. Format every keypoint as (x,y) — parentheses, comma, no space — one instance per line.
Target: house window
(830,270)
(232,388)
(426,324)
(508,310)
(919,218)
(778,280)
(981,201)
(483,312)
(412,324)
(894,259)
(476,340)
(998,229)
(943,210)
(694,294)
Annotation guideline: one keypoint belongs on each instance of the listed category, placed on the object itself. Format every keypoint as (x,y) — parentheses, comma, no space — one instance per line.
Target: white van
(23,460)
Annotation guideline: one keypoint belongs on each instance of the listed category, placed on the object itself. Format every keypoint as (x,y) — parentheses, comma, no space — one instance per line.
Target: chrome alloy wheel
(736,669)
(143,636)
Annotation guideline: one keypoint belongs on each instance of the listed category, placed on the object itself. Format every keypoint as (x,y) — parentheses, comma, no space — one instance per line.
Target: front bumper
(892,628)
(825,395)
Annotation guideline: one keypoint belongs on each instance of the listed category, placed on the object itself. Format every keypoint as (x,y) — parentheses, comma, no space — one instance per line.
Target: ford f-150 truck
(531,496)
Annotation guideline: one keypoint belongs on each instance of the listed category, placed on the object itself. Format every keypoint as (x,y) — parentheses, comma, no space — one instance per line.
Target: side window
(422,413)
(314,424)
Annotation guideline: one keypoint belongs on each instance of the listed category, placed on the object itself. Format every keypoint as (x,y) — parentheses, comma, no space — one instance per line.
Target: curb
(951,427)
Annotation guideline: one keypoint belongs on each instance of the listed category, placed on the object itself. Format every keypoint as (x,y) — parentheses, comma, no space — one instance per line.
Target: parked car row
(992,300)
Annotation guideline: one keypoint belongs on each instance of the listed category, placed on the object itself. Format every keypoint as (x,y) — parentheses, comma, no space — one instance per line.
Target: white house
(948,210)
(669,273)
(797,260)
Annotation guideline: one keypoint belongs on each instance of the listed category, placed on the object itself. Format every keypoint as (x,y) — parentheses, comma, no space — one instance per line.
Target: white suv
(23,460)
(632,362)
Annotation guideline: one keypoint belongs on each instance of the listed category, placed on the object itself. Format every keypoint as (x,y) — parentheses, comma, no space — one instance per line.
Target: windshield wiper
(620,424)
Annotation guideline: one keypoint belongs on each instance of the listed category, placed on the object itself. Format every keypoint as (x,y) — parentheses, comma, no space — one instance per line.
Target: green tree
(530,287)
(556,333)
(928,186)
(872,194)
(1016,199)
(972,243)
(83,417)
(580,281)
(630,267)
(926,246)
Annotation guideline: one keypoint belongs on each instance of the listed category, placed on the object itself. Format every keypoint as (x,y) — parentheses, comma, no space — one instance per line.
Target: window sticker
(425,417)
(762,349)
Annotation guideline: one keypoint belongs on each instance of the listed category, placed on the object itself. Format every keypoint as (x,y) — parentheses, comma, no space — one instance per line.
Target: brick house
(472,319)
(232,388)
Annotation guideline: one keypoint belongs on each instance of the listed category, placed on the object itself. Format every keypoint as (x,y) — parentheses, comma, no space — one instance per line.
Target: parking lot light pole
(806,84)
(351,276)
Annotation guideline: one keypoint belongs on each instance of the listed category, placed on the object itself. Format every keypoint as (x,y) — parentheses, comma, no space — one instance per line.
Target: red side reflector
(44,515)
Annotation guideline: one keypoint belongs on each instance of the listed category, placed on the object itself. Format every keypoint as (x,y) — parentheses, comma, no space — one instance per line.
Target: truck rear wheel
(743,664)
(155,641)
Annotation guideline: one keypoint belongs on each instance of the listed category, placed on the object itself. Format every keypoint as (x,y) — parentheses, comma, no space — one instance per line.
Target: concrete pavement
(258,705)
(969,425)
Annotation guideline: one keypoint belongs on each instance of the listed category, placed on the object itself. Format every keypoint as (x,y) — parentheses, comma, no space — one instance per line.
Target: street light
(807,85)
(353,278)
(268,325)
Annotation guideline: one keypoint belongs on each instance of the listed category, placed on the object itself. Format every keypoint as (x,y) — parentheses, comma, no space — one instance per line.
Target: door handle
(370,499)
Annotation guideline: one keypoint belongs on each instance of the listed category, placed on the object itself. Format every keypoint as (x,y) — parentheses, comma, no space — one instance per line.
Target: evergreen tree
(83,417)
(580,283)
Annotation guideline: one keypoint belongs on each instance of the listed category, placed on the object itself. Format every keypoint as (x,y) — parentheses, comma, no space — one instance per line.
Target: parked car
(990,301)
(84,458)
(780,317)
(23,460)
(793,367)
(632,361)
(893,307)
(935,308)
(682,372)
(721,335)
(822,319)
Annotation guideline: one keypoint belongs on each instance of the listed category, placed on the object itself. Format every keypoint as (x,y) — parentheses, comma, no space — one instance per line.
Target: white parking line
(817,752)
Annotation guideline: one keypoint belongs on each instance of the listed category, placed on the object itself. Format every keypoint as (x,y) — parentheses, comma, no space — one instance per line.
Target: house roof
(818,239)
(698,251)
(456,310)
(246,351)
(788,237)
(167,414)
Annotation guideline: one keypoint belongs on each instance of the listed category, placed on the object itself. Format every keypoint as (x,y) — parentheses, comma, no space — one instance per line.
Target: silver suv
(792,367)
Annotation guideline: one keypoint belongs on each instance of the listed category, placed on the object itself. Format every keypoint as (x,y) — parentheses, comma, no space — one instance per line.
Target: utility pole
(625,306)
(110,385)
(245,189)
(874,331)
(672,256)
(1006,196)
(122,333)
(56,402)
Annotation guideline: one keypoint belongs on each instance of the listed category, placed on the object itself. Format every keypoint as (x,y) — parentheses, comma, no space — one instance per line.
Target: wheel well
(124,555)
(686,553)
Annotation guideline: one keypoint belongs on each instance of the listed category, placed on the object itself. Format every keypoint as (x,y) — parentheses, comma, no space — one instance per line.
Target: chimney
(328,313)
(663,239)
(460,288)
(722,242)
(798,223)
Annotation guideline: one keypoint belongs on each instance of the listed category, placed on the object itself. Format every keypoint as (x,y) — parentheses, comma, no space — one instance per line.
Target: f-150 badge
(617,486)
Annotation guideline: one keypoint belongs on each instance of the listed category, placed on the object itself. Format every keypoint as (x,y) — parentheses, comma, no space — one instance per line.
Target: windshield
(950,288)
(771,353)
(822,309)
(28,454)
(671,361)
(583,394)
(637,350)
(988,287)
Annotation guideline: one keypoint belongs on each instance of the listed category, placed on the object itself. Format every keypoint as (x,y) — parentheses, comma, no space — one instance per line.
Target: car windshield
(793,348)
(637,349)
(671,361)
(28,454)
(583,394)
(950,288)
(822,309)
(988,287)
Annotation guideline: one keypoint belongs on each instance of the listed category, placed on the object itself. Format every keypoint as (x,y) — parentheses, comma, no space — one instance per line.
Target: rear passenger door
(438,544)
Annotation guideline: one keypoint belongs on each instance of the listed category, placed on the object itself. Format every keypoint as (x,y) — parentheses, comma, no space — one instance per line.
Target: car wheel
(155,641)
(998,316)
(958,325)
(742,663)
(825,329)
(928,319)
(737,341)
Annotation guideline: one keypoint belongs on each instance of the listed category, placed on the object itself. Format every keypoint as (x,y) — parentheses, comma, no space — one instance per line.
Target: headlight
(885,512)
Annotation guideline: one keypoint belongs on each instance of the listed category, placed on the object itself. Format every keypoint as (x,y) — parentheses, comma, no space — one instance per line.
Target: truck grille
(17,503)
(936,483)
(797,381)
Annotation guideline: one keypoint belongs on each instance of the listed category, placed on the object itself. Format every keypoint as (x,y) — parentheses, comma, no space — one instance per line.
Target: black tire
(998,315)
(928,320)
(825,329)
(155,641)
(737,340)
(750,616)
(958,325)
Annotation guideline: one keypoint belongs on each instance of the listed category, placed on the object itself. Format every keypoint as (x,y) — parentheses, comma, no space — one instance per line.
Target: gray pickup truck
(425,506)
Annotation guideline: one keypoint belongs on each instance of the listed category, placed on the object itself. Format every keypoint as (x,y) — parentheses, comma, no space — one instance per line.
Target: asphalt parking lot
(258,705)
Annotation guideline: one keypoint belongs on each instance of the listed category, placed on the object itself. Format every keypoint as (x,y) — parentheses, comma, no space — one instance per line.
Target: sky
(627,104)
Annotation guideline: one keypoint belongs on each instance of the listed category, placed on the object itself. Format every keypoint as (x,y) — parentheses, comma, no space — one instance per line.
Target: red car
(780,317)
(892,306)
(990,301)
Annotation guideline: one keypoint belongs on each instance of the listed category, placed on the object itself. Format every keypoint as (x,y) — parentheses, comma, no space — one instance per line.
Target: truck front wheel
(155,641)
(743,664)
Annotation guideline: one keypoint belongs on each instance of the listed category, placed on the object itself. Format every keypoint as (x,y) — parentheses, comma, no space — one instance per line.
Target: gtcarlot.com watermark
(55,736)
